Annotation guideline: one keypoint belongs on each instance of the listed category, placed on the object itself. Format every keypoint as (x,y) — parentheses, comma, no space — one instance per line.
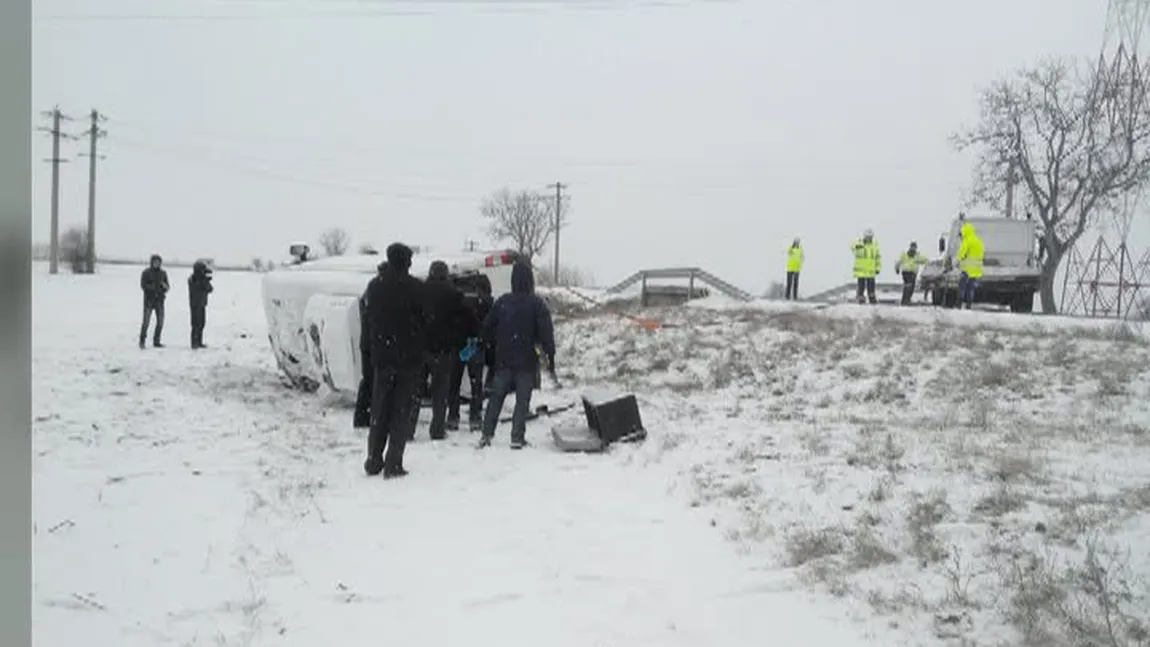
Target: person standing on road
(794,266)
(908,265)
(517,323)
(154,284)
(396,321)
(480,306)
(361,419)
(969,256)
(448,323)
(868,264)
(199,287)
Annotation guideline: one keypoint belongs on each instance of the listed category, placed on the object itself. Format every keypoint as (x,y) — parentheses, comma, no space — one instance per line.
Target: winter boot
(394,473)
(484,442)
(518,443)
(373,466)
(453,424)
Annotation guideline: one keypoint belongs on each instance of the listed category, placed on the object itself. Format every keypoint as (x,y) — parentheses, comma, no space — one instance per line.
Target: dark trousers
(150,307)
(474,370)
(439,366)
(504,383)
(792,285)
(966,288)
(199,318)
(393,395)
(866,285)
(908,281)
(362,416)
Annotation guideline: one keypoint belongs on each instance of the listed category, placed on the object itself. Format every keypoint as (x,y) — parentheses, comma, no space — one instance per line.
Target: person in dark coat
(154,284)
(480,306)
(396,322)
(199,287)
(448,322)
(361,419)
(518,322)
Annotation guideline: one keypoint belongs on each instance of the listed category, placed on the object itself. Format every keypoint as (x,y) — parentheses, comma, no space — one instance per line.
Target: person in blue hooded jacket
(518,322)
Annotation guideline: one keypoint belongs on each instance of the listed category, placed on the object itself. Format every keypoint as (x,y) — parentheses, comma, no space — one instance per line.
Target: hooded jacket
(970,252)
(199,285)
(519,321)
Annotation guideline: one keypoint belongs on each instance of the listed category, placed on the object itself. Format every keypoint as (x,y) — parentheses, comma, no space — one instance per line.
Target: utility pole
(1011,180)
(54,130)
(94,134)
(558,186)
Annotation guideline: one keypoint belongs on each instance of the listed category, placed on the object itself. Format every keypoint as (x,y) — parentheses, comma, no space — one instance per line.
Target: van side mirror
(942,244)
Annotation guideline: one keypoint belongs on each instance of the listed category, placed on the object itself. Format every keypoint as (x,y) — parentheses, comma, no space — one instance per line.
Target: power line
(297,179)
(381,9)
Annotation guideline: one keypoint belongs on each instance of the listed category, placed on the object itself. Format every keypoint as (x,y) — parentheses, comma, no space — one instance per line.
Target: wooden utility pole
(54,130)
(558,186)
(94,134)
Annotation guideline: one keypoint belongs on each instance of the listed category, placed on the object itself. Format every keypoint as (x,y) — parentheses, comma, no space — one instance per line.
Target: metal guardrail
(691,274)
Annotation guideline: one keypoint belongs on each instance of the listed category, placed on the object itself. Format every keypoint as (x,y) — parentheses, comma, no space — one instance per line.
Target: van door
(331,328)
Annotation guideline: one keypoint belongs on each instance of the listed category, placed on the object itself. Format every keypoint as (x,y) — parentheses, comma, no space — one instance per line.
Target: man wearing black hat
(448,322)
(396,324)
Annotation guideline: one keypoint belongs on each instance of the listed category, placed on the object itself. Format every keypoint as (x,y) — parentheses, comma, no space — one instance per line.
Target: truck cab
(1011,271)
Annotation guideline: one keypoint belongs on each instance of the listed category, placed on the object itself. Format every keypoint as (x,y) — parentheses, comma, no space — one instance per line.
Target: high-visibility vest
(970,252)
(794,258)
(911,262)
(867,259)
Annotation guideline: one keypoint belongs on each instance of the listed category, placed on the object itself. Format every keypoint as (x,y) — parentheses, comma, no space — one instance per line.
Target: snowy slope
(186,498)
(951,475)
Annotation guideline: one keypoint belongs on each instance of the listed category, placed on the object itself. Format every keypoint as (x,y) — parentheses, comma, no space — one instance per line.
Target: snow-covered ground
(187,498)
(824,476)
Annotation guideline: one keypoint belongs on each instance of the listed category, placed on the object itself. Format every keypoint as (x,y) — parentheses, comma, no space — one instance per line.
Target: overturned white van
(312,310)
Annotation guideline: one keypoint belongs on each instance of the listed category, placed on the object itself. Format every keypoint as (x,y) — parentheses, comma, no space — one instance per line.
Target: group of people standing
(868,265)
(154,284)
(413,338)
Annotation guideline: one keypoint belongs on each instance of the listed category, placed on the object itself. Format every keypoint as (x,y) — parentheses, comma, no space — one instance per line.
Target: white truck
(1011,270)
(312,310)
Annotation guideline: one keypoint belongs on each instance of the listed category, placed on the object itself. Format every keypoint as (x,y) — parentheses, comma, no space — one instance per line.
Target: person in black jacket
(396,321)
(362,417)
(480,305)
(518,322)
(154,284)
(199,287)
(448,321)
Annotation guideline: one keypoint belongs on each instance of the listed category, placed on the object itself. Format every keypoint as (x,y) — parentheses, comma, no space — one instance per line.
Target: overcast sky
(704,133)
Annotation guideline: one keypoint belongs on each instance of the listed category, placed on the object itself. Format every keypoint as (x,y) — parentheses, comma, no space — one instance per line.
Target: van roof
(367,263)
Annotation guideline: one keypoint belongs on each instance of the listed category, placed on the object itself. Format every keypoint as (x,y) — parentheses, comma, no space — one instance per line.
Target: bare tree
(258,264)
(335,242)
(1077,141)
(523,218)
(74,249)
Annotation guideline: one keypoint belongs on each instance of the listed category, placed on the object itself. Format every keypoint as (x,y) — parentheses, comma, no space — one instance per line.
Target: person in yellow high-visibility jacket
(969,257)
(908,265)
(868,264)
(794,266)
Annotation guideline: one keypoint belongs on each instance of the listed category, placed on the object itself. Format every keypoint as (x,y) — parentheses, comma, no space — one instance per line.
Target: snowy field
(814,476)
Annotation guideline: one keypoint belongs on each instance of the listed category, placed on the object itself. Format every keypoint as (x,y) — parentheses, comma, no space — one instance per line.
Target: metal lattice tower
(1111,281)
